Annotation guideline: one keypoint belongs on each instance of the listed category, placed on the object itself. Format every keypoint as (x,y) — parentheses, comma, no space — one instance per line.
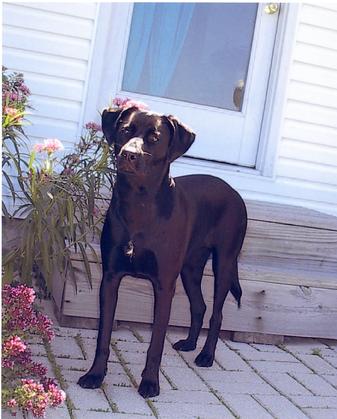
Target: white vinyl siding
(308,149)
(51,44)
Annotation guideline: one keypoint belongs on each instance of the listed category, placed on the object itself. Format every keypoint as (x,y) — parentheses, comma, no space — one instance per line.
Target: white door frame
(274,105)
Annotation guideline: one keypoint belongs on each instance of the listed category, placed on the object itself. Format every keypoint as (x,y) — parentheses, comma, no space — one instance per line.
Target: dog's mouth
(125,166)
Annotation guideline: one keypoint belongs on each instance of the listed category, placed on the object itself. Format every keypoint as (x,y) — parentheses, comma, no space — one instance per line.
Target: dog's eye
(126,130)
(153,138)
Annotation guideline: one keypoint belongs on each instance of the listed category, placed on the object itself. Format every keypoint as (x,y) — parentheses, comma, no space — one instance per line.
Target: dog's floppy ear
(109,123)
(110,118)
(182,138)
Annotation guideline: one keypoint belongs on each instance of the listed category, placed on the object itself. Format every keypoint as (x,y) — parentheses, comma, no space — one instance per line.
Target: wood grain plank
(266,307)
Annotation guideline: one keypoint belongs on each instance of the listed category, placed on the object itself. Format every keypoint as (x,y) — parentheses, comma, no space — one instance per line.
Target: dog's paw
(91,380)
(148,388)
(204,359)
(184,345)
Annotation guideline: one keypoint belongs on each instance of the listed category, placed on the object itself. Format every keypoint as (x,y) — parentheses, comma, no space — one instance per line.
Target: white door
(206,63)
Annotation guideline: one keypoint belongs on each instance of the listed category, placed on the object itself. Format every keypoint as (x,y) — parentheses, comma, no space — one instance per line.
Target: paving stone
(144,331)
(57,413)
(304,346)
(45,362)
(333,362)
(135,347)
(184,379)
(136,371)
(332,379)
(124,334)
(72,332)
(66,347)
(261,347)
(72,376)
(186,396)
(173,361)
(240,346)
(269,366)
(281,407)
(315,401)
(87,398)
(91,414)
(321,413)
(74,364)
(89,346)
(317,364)
(116,376)
(316,384)
(245,407)
(187,410)
(328,353)
(7,415)
(38,350)
(270,356)
(128,400)
(285,384)
(229,359)
(137,358)
(238,383)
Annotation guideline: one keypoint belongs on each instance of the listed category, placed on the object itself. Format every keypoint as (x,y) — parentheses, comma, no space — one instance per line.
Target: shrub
(58,200)
(25,386)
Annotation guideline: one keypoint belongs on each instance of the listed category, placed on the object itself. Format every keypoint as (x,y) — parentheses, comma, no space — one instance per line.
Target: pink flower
(11,111)
(12,403)
(38,148)
(56,396)
(24,89)
(52,144)
(17,307)
(93,126)
(13,346)
(129,103)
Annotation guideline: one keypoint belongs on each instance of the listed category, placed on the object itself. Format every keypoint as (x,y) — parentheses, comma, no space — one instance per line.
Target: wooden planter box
(288,272)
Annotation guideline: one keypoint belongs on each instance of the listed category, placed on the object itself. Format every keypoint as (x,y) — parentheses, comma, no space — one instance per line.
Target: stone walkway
(294,380)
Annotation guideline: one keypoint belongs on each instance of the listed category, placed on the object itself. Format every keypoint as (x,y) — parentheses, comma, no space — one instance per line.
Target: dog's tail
(236,291)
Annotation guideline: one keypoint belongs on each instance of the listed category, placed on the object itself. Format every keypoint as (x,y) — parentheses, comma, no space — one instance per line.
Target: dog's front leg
(149,386)
(108,302)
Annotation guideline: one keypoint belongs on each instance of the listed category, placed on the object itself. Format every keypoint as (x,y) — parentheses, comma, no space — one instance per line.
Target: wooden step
(288,273)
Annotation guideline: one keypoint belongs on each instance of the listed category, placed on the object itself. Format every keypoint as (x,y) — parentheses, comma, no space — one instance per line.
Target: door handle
(238,94)
(272,8)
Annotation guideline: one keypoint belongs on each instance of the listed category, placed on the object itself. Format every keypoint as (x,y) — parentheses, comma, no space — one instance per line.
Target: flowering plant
(15,100)
(57,197)
(63,209)
(125,103)
(25,386)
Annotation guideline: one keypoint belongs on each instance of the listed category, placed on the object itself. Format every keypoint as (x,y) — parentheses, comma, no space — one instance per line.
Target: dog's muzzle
(129,154)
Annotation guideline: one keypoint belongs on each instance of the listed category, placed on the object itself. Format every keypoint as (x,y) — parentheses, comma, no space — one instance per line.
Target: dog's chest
(138,261)
(138,216)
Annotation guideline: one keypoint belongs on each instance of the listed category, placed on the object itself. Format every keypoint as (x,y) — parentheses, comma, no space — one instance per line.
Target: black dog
(158,228)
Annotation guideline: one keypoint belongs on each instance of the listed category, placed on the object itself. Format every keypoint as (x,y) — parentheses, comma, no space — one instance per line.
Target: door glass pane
(193,52)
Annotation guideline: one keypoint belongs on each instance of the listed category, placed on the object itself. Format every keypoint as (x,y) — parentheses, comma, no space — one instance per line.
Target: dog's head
(144,140)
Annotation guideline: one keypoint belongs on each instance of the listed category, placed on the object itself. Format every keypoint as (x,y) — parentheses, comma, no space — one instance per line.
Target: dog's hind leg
(225,274)
(191,276)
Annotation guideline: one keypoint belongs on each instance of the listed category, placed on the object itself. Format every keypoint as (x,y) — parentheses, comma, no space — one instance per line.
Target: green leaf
(10,185)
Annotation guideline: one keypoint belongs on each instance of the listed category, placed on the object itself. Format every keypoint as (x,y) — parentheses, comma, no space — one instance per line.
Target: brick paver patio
(294,380)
